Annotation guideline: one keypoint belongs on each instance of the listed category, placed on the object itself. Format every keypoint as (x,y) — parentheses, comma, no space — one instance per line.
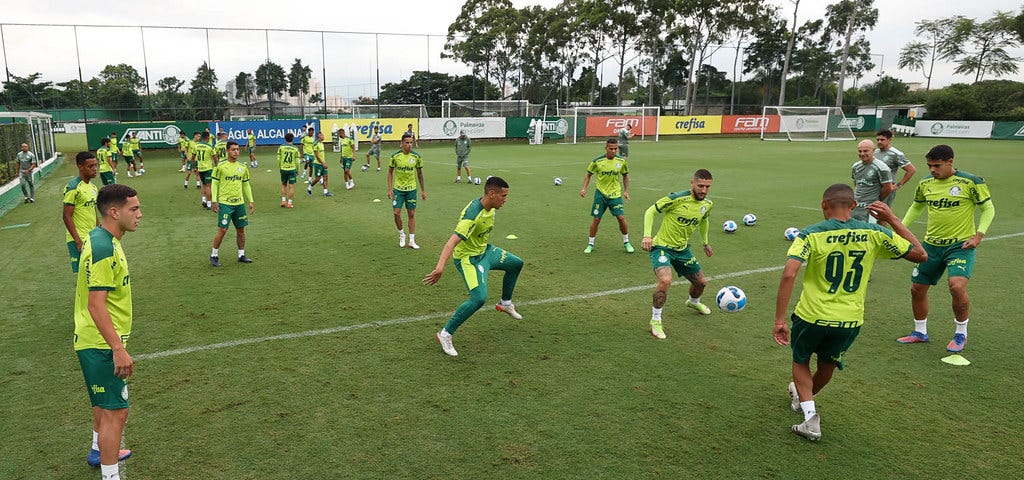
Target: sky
(400,37)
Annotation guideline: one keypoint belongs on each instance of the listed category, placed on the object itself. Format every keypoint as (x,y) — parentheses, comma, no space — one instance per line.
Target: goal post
(807,124)
(606,122)
(410,110)
(488,108)
(246,118)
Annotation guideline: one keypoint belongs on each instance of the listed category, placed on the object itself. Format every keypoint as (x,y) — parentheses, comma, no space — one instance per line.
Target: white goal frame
(642,111)
(808,124)
(247,118)
(489,108)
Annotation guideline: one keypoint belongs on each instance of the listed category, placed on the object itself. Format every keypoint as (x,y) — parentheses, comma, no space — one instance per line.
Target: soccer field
(319,360)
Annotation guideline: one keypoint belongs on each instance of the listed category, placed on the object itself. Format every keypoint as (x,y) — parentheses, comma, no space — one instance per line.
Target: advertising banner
(609,126)
(519,127)
(695,125)
(953,129)
(449,128)
(750,124)
(268,132)
(151,135)
(1008,130)
(391,129)
(860,123)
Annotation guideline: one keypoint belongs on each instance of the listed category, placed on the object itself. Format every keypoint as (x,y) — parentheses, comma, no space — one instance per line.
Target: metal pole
(81,83)
(323,65)
(145,68)
(376,52)
(270,94)
(3,44)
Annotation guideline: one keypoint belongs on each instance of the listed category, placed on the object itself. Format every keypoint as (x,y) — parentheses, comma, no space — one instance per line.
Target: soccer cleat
(510,309)
(328,194)
(283,204)
(291,206)
(129,174)
(215,260)
(378,169)
(914,337)
(31,200)
(309,191)
(197,184)
(956,345)
(794,398)
(656,329)
(413,245)
(93,459)
(244,259)
(401,240)
(446,343)
(590,248)
(186,185)
(629,248)
(458,180)
(699,307)
(810,429)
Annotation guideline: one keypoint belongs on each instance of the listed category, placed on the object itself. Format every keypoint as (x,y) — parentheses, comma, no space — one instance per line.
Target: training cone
(376,200)
(956,360)
(511,237)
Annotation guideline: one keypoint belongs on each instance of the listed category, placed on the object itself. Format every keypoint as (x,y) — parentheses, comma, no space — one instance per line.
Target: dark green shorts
(461,161)
(129,160)
(406,199)
(227,214)
(106,390)
(830,343)
(75,254)
(189,165)
(107,178)
(346,163)
(206,176)
(623,150)
(602,203)
(319,170)
(682,261)
(959,263)
(288,177)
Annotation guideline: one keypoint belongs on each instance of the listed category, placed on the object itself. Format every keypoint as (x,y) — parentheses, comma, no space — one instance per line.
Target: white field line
(432,316)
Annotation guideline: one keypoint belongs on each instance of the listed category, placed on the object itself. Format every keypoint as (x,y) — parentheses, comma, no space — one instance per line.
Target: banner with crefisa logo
(953,129)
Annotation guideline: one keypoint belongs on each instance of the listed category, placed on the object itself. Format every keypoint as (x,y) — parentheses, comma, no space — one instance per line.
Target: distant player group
(838,252)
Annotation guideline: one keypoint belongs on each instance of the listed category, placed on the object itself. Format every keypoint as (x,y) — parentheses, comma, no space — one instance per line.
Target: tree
(918,55)
(245,88)
(270,81)
(850,15)
(982,47)
(26,92)
(169,102)
(433,85)
(205,95)
(479,37)
(118,87)
(298,83)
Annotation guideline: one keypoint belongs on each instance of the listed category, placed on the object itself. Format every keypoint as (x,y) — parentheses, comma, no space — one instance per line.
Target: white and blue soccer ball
(558,181)
(476,180)
(791,233)
(365,167)
(749,219)
(729,226)
(731,299)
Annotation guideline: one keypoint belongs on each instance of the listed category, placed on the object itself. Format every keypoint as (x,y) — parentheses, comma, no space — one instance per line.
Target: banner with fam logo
(268,132)
(953,129)
(449,128)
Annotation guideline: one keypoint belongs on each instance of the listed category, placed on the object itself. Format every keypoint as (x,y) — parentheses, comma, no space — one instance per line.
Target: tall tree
(169,102)
(476,37)
(922,55)
(850,16)
(270,81)
(981,47)
(245,88)
(205,95)
(298,83)
(119,87)
(26,92)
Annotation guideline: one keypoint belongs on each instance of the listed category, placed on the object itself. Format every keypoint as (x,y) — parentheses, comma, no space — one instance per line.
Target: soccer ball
(476,180)
(731,299)
(365,167)
(558,181)
(729,226)
(791,233)
(749,219)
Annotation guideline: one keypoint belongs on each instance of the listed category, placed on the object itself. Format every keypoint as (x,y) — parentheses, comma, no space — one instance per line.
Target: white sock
(808,408)
(412,238)
(458,178)
(625,238)
(590,240)
(506,302)
(241,252)
(921,326)
(289,201)
(325,191)
(694,300)
(95,440)
(655,313)
(204,199)
(401,233)
(110,472)
(961,327)
(215,253)
(283,199)
(444,333)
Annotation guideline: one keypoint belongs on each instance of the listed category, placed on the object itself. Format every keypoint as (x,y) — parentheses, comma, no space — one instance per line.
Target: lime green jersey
(348,148)
(230,184)
(682,215)
(103,267)
(308,143)
(287,157)
(607,170)
(839,257)
(951,205)
(474,228)
(136,144)
(405,166)
(82,196)
(202,154)
(183,145)
(103,160)
(220,149)
(318,153)
(250,141)
(113,145)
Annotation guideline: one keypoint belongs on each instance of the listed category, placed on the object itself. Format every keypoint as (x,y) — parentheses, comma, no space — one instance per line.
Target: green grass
(578,389)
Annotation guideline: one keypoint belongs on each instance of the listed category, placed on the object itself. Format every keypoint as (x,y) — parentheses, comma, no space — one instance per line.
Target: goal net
(411,110)
(246,118)
(607,122)
(808,124)
(488,108)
